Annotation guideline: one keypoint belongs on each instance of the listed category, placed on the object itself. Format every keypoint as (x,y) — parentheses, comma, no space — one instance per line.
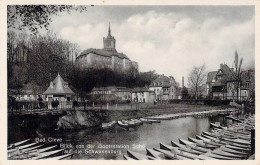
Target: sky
(167,39)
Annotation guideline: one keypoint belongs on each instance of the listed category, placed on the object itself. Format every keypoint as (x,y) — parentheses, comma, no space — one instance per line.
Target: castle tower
(109,41)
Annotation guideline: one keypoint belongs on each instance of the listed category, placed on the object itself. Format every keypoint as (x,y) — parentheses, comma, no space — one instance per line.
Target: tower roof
(58,87)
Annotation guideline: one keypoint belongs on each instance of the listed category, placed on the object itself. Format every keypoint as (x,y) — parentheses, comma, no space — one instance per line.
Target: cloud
(171,43)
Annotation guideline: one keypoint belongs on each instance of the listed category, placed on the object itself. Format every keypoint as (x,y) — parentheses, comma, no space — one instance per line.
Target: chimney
(182,81)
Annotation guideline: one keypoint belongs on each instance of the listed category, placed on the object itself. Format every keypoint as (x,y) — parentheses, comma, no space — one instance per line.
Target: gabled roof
(211,76)
(166,81)
(103,52)
(58,87)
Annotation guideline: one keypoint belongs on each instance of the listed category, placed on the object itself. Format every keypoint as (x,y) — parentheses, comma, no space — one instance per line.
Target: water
(118,140)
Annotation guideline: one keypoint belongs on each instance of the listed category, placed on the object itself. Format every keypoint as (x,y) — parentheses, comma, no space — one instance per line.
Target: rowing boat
(209,154)
(209,141)
(46,154)
(128,157)
(179,151)
(21,147)
(138,156)
(193,145)
(123,125)
(107,126)
(154,153)
(62,157)
(226,154)
(171,155)
(232,151)
(184,148)
(17,144)
(146,121)
(201,143)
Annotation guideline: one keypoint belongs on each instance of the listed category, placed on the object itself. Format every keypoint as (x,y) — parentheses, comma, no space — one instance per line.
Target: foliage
(35,17)
(185,93)
(48,55)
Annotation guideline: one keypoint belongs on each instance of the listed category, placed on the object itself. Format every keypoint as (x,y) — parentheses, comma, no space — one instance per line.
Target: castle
(108,57)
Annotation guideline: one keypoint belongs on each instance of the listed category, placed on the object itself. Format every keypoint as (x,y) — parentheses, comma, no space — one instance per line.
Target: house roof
(141,89)
(58,87)
(165,80)
(103,52)
(211,76)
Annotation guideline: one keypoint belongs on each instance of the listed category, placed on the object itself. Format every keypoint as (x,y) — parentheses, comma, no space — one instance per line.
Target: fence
(23,106)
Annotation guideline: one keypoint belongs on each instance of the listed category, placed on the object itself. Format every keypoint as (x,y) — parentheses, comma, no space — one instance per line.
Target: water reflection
(147,135)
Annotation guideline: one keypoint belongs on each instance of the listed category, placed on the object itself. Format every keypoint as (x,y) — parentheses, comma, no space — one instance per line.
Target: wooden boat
(107,126)
(213,139)
(209,154)
(123,125)
(127,157)
(170,155)
(154,153)
(150,120)
(137,122)
(232,151)
(216,126)
(184,148)
(238,141)
(138,156)
(146,121)
(204,157)
(43,149)
(201,143)
(21,147)
(209,141)
(62,157)
(193,146)
(17,144)
(130,123)
(217,135)
(247,150)
(226,154)
(178,151)
(22,151)
(224,141)
(233,118)
(46,154)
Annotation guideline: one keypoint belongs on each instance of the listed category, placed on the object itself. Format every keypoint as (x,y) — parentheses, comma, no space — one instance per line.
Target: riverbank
(110,115)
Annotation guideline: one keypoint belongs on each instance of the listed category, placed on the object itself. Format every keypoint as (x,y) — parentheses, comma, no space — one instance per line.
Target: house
(223,84)
(29,92)
(106,93)
(59,91)
(165,88)
(143,95)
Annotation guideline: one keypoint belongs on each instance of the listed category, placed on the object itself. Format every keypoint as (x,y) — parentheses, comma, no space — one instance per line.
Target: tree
(237,74)
(35,17)
(196,78)
(185,93)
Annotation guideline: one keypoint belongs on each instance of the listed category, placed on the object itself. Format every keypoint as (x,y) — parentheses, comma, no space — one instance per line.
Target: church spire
(109,31)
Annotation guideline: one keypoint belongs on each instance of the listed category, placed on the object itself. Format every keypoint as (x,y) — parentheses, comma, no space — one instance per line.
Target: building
(108,57)
(222,84)
(59,90)
(142,95)
(165,88)
(112,92)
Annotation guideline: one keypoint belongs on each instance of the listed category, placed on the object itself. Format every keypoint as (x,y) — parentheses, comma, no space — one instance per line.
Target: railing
(30,106)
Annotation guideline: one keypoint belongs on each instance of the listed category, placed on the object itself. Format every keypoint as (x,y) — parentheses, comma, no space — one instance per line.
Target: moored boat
(107,126)
(138,156)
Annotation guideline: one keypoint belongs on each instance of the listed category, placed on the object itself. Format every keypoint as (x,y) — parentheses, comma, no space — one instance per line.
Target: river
(114,143)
